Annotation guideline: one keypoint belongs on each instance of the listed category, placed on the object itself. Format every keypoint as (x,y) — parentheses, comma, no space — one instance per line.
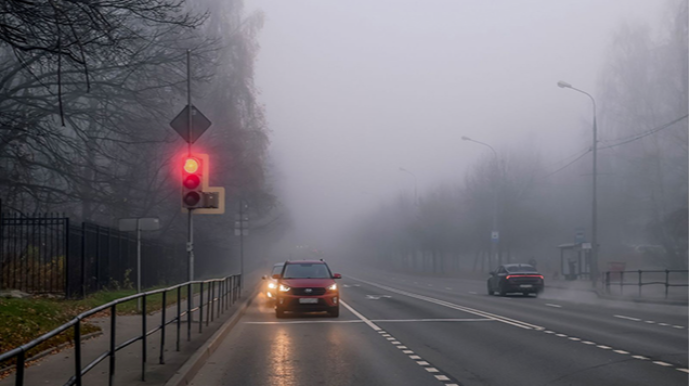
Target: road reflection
(281,360)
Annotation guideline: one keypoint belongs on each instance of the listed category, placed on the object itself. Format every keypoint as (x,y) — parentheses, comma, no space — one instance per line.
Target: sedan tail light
(539,276)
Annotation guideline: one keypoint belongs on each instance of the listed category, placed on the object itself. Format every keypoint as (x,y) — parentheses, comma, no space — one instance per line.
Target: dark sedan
(515,278)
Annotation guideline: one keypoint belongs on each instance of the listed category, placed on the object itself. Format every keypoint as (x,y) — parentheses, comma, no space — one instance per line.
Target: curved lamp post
(495,214)
(415,183)
(595,246)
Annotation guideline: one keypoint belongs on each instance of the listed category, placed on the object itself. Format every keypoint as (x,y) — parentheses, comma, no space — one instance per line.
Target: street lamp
(595,246)
(415,183)
(494,233)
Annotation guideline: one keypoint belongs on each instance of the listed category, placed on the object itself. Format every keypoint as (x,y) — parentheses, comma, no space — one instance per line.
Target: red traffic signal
(193,177)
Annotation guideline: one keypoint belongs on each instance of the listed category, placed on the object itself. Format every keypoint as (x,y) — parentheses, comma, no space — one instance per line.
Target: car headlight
(284,288)
(272,285)
(333,287)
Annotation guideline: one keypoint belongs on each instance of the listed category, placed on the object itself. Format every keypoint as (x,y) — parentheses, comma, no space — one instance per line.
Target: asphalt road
(396,329)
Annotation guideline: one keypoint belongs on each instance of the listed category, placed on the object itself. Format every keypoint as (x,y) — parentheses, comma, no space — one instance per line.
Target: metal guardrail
(611,277)
(221,294)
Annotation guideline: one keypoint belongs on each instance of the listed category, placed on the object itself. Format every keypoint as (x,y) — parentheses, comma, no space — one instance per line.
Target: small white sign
(145,224)
(494,235)
(586,245)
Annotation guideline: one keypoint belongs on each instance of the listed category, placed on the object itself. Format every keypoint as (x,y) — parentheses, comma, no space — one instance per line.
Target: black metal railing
(658,277)
(216,295)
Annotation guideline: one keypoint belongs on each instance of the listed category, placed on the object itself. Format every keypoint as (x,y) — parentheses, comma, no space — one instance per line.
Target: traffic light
(196,194)
(194,179)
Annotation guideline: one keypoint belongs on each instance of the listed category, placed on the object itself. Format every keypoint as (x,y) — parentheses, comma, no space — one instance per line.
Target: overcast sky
(354,90)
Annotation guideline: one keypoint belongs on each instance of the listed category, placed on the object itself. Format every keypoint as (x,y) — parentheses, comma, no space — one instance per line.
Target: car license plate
(525,285)
(308,300)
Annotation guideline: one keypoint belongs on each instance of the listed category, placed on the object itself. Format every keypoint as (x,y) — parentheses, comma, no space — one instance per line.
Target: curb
(189,369)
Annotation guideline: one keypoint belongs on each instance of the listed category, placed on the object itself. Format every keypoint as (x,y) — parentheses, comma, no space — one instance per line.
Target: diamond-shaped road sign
(199,124)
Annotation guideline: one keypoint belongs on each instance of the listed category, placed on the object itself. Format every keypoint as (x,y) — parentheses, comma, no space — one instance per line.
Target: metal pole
(241,243)
(138,265)
(494,245)
(595,243)
(190,223)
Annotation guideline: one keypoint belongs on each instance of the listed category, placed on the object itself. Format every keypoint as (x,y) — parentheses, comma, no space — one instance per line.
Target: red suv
(307,285)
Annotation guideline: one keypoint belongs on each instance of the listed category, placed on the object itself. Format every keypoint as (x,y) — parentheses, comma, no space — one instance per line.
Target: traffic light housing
(194,180)
(196,194)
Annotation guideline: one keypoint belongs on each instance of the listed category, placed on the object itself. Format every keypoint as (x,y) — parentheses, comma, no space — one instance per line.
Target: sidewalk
(57,368)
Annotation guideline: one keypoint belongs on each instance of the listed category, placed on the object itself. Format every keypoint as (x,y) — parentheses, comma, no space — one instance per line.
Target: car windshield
(520,268)
(306,271)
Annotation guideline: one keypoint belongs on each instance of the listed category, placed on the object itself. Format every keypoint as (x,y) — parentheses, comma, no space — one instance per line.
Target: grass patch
(23,320)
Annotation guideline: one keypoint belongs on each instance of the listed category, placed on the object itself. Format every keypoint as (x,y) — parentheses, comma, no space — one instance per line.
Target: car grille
(304,292)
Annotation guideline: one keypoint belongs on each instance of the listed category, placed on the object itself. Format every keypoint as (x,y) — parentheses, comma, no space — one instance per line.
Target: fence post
(189,312)
(209,303)
(162,359)
(2,242)
(639,283)
(179,305)
(19,378)
(98,258)
(201,306)
(621,281)
(83,259)
(113,319)
(608,282)
(220,297)
(143,338)
(666,292)
(66,262)
(77,352)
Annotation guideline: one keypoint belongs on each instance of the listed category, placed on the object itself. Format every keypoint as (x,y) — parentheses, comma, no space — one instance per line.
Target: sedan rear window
(520,268)
(306,271)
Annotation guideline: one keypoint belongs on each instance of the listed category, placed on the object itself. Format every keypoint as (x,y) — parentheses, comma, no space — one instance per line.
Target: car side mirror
(492,273)
(337,276)
(263,277)
(276,276)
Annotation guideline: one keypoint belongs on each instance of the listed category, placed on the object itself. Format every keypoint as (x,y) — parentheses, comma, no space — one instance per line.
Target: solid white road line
(357,314)
(443,303)
(428,320)
(307,322)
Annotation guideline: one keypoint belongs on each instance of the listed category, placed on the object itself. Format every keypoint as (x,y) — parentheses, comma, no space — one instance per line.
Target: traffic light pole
(190,222)
(241,245)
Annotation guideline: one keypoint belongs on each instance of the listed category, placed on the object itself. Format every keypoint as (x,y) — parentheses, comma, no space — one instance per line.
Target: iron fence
(645,278)
(215,296)
(48,254)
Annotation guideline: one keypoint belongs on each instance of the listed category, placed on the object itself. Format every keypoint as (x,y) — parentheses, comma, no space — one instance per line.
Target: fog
(355,90)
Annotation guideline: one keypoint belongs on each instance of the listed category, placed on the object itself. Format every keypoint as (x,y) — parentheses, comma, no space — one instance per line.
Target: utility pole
(241,230)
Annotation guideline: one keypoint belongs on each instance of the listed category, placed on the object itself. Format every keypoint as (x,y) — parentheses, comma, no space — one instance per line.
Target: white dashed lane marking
(553,305)
(426,365)
(633,319)
(617,351)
